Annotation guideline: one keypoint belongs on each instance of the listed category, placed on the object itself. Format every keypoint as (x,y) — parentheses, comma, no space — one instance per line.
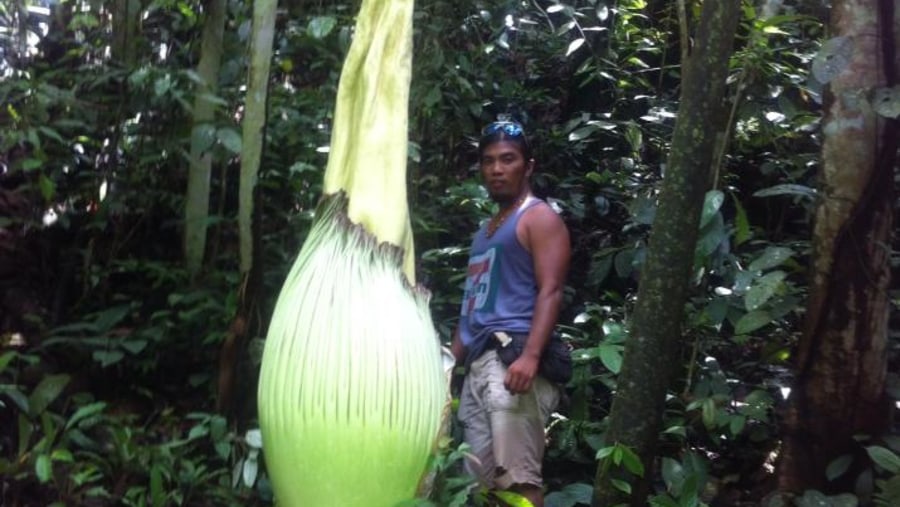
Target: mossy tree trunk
(653,347)
(841,362)
(197,201)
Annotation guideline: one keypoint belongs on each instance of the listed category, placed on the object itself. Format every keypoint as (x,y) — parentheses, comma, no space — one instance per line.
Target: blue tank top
(500,287)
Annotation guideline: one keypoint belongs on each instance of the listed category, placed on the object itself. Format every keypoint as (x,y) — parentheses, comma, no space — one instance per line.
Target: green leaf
(737,423)
(752,321)
(320,26)
(30,164)
(712,235)
(230,139)
(48,188)
(771,257)
(741,223)
(85,412)
(6,358)
(624,263)
(611,357)
(574,45)
(63,455)
(614,332)
(251,469)
(632,462)
(787,189)
(513,499)
(763,290)
(621,486)
(134,346)
(205,136)
(107,357)
(157,491)
(838,467)
(711,205)
(43,468)
(673,474)
(709,413)
(198,431)
(605,452)
(885,458)
(46,391)
(108,318)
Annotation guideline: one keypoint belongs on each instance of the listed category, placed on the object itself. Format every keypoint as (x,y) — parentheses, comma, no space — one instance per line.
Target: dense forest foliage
(128,368)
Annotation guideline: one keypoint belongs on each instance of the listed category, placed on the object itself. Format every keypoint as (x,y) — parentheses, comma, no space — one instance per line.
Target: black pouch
(556,360)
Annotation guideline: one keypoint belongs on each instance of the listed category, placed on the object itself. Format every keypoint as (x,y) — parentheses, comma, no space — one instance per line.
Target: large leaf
(578,493)
(752,321)
(885,458)
(320,26)
(46,392)
(787,189)
(838,466)
(763,290)
(772,256)
(611,356)
(711,205)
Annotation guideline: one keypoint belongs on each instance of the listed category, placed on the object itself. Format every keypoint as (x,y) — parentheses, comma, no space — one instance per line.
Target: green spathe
(352,387)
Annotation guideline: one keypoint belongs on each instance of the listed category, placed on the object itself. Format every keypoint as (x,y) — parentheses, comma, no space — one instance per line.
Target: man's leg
(473,418)
(517,431)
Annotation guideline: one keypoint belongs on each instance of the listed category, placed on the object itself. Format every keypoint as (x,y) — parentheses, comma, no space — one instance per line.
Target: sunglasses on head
(510,128)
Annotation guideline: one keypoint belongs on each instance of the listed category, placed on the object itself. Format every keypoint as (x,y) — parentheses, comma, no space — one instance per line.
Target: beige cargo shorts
(505,431)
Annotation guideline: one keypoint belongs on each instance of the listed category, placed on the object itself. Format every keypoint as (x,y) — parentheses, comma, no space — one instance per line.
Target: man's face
(505,171)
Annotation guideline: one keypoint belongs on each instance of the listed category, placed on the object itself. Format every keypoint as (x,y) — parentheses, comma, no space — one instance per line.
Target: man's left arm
(547,238)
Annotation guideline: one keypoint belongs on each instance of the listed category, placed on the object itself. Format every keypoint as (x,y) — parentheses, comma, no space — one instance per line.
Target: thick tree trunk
(841,366)
(197,201)
(652,349)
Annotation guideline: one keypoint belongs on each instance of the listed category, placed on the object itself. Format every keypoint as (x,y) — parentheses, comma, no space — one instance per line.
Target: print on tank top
(481,281)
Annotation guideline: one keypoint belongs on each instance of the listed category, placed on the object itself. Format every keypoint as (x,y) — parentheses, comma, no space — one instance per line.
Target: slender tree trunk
(841,363)
(197,203)
(254,125)
(125,23)
(655,339)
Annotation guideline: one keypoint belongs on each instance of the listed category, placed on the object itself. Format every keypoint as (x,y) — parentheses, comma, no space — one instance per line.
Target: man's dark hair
(509,131)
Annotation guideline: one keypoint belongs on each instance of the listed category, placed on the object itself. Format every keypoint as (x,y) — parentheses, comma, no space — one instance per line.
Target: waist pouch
(556,360)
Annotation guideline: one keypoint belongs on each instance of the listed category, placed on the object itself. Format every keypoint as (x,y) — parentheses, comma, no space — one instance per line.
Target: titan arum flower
(353,388)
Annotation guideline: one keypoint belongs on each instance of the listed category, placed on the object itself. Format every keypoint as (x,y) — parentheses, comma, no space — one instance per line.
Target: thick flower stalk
(352,388)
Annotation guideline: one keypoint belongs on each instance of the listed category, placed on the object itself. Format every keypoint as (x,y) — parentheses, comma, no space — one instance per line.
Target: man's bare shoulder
(543,218)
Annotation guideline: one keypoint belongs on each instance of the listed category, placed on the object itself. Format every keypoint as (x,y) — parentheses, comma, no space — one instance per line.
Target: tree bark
(197,200)
(253,139)
(653,347)
(841,362)
(254,123)
(125,24)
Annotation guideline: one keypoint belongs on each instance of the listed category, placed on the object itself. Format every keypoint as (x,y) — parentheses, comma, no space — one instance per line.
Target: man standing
(514,286)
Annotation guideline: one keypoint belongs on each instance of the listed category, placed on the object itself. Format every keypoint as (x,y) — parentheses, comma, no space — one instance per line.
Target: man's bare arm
(546,237)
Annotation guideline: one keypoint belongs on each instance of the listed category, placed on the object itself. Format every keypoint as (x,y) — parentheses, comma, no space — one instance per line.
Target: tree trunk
(253,138)
(652,349)
(125,23)
(197,203)
(841,363)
